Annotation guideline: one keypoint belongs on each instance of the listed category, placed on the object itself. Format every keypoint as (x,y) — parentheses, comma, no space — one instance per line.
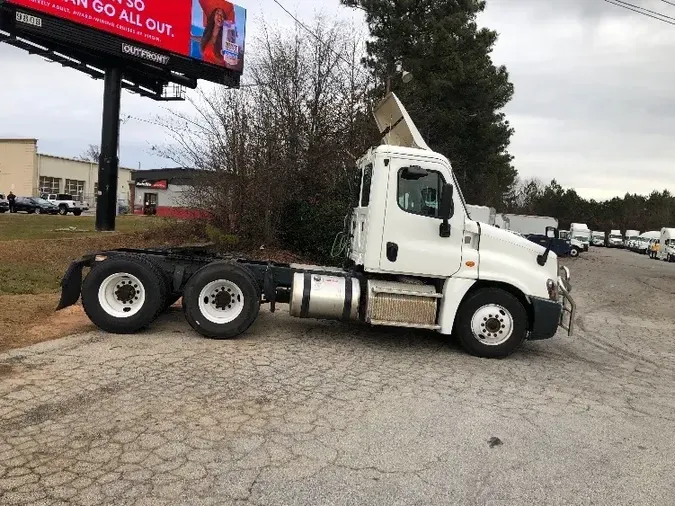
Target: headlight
(552,288)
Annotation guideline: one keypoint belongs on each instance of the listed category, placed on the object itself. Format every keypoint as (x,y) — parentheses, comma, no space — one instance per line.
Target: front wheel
(78,212)
(221,300)
(574,252)
(492,323)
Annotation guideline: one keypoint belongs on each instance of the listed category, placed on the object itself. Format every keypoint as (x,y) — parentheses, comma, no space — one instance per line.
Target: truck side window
(365,186)
(420,194)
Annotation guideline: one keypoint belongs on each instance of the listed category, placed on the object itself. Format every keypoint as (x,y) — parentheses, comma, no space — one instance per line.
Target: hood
(396,125)
(511,259)
(505,236)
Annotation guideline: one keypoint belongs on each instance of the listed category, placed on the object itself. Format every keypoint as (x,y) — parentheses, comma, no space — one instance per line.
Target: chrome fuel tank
(325,297)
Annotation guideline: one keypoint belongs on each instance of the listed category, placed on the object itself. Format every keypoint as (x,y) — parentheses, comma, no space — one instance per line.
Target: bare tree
(292,134)
(91,154)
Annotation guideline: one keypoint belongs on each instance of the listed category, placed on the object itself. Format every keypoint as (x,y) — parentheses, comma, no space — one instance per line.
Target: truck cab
(399,230)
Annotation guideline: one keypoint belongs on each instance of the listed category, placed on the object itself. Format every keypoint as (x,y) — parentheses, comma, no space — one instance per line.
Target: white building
(27,173)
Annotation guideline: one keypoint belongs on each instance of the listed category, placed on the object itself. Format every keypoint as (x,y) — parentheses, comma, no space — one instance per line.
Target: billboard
(211,31)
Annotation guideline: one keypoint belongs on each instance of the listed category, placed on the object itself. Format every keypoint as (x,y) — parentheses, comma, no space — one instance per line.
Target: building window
(50,184)
(75,188)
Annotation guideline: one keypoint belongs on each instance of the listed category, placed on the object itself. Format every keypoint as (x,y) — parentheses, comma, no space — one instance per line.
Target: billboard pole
(108,162)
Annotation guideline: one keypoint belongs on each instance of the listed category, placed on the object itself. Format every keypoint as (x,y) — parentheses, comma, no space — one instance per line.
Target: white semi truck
(528,224)
(416,260)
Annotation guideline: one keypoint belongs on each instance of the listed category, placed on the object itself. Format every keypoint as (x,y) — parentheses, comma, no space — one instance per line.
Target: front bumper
(548,315)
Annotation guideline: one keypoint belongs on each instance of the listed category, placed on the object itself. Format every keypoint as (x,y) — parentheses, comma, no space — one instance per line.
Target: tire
(77,213)
(240,302)
(491,306)
(63,210)
(31,211)
(103,305)
(574,252)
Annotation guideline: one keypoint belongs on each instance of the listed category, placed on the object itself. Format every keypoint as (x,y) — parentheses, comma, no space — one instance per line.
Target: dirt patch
(31,319)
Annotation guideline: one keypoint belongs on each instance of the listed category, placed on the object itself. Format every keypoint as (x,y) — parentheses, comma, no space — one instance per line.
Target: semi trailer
(528,224)
(415,259)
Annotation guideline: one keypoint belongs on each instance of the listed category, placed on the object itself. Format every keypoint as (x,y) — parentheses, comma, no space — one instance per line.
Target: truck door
(411,240)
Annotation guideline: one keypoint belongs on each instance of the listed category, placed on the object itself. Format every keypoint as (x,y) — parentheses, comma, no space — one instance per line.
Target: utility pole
(106,201)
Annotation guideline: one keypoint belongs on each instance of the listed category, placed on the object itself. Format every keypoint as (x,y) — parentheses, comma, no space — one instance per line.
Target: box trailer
(483,214)
(529,224)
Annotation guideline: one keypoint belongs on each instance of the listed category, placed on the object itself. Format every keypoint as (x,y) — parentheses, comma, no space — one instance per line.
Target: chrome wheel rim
(492,325)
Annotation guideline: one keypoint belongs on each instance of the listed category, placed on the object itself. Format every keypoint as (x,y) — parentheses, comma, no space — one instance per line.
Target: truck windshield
(615,237)
(582,238)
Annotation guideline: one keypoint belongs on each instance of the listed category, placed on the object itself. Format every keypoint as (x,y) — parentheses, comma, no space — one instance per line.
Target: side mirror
(447,209)
(551,233)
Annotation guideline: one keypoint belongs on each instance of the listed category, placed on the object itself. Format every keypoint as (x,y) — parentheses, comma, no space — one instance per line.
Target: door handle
(392,251)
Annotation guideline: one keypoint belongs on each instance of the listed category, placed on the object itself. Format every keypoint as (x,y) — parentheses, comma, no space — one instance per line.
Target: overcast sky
(594,97)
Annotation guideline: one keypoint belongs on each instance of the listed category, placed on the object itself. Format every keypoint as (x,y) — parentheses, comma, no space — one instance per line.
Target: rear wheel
(491,323)
(63,210)
(221,300)
(124,295)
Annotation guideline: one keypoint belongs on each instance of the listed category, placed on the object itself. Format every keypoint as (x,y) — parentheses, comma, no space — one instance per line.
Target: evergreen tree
(457,93)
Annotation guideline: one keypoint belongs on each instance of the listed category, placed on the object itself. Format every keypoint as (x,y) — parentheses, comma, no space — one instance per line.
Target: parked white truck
(667,245)
(416,260)
(580,233)
(631,235)
(615,239)
(529,224)
(597,238)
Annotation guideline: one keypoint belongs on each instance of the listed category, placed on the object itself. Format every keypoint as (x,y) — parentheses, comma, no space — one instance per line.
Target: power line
(635,8)
(308,30)
(667,2)
(643,9)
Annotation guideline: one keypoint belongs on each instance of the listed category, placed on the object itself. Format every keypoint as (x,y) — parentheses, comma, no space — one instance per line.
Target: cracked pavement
(308,412)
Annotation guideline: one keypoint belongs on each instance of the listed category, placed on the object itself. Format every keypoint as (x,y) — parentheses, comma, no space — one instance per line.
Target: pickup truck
(66,203)
(560,247)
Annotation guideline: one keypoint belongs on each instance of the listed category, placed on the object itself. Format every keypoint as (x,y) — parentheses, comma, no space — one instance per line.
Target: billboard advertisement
(211,31)
(218,33)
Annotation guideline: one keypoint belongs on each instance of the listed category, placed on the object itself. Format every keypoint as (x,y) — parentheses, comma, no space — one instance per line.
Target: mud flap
(71,284)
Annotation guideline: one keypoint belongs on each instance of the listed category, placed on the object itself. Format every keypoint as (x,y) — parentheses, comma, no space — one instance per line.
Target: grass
(33,226)
(36,250)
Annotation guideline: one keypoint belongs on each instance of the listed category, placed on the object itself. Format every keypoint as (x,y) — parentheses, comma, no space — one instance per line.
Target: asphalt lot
(303,412)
